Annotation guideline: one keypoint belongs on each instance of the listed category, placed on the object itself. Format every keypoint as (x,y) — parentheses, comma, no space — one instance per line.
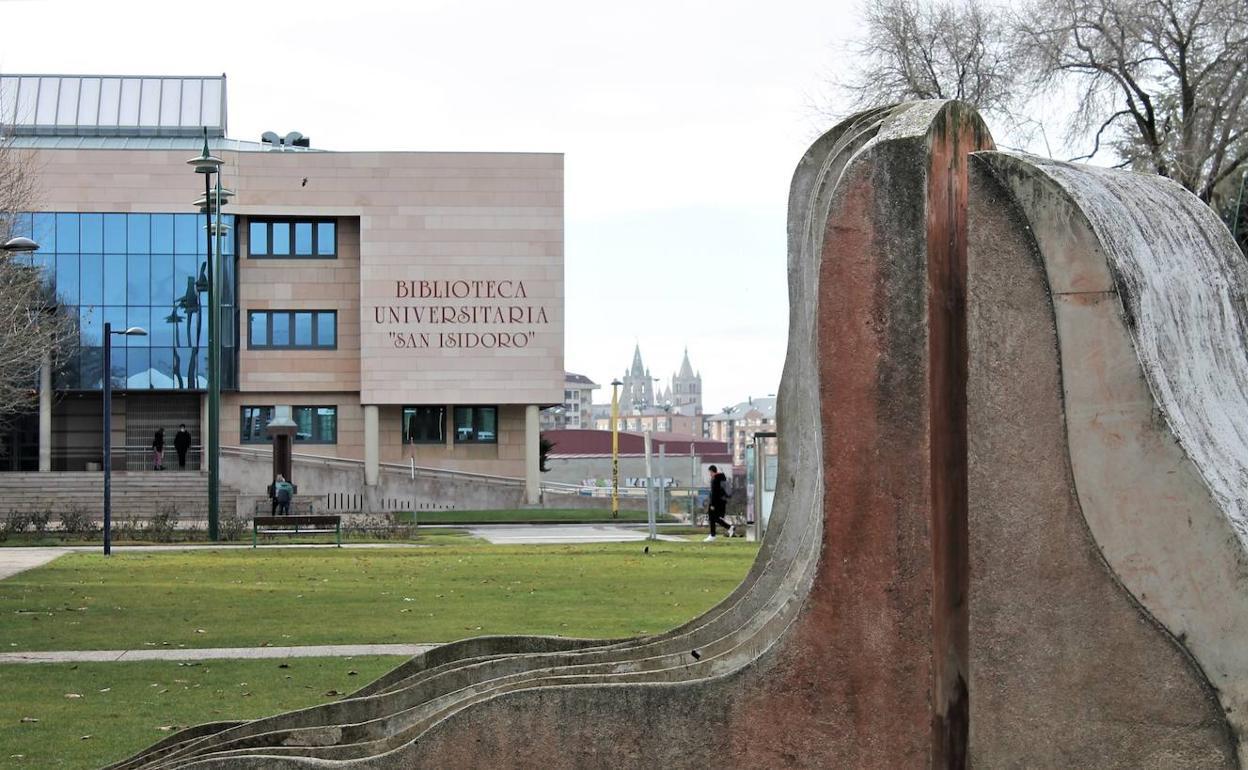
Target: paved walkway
(217,653)
(515,534)
(16,559)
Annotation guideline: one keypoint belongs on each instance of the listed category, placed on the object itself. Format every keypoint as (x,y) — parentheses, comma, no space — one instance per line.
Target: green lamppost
(208,165)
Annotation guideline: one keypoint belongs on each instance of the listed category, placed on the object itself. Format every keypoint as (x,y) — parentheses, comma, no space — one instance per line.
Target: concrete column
(45,412)
(532,456)
(372,446)
(202,437)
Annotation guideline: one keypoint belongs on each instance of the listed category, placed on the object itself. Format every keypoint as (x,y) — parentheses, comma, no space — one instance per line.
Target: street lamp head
(134,331)
(19,245)
(616,383)
(206,163)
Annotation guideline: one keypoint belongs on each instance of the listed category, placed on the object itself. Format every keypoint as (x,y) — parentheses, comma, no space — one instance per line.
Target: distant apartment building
(737,425)
(576,411)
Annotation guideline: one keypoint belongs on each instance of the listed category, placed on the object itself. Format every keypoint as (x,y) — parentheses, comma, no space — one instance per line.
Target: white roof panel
(93,105)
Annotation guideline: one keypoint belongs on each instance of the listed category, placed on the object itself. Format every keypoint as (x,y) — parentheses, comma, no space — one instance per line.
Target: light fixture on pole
(19,245)
(133,331)
(208,165)
(615,448)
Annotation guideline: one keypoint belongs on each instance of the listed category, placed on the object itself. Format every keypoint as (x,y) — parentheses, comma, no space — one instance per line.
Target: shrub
(16,522)
(231,527)
(162,525)
(40,520)
(76,521)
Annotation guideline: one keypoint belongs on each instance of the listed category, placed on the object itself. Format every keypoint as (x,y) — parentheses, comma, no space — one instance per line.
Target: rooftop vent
(282,143)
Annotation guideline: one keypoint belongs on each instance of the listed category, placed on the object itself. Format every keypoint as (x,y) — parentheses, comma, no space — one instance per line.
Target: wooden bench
(296,525)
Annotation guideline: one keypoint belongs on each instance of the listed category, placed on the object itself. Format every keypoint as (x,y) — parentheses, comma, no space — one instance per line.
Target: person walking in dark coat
(718,504)
(158,450)
(182,443)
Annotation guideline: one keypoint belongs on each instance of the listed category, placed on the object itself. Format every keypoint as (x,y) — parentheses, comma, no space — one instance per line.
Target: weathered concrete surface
(1066,670)
(15,560)
(828,654)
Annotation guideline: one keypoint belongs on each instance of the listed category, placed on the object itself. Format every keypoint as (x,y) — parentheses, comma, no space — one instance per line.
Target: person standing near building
(182,443)
(718,504)
(158,450)
(283,491)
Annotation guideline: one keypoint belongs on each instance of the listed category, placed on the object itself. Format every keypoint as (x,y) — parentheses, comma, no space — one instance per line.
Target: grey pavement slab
(15,560)
(504,534)
(215,653)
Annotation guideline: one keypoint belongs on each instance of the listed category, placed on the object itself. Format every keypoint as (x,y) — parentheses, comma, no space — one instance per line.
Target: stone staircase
(138,494)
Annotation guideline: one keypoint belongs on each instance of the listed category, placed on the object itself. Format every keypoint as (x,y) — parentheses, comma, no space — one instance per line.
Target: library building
(404,308)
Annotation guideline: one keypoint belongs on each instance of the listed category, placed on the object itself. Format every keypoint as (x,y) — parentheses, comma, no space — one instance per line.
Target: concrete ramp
(1108,416)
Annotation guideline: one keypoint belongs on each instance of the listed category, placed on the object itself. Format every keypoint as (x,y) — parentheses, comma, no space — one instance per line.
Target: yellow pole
(615,449)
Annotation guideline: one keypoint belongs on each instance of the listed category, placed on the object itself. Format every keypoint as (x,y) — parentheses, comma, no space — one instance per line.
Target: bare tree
(1163,83)
(944,49)
(31,325)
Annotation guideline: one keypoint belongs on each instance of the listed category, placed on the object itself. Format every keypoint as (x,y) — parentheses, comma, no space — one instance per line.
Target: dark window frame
(403,424)
(315,222)
(289,315)
(476,426)
(245,438)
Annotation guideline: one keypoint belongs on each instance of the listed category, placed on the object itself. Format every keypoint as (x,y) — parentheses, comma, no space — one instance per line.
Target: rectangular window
(424,425)
(258,239)
(313,424)
(292,239)
(476,424)
(292,329)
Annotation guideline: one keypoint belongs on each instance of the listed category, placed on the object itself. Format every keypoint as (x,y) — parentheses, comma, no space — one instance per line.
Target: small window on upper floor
(292,239)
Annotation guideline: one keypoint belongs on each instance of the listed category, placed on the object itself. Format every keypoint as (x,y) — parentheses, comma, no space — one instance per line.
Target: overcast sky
(681,123)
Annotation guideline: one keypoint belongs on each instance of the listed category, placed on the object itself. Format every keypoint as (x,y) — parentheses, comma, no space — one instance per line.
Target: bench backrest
(297,521)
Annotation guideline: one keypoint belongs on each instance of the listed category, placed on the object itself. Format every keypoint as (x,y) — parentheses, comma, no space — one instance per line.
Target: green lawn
(241,598)
(529,516)
(124,707)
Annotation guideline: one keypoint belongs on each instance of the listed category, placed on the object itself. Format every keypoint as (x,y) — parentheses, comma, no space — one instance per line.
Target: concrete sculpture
(962,565)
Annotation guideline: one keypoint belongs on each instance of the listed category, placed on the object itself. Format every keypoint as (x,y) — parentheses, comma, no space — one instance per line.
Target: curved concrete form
(846,645)
(1108,416)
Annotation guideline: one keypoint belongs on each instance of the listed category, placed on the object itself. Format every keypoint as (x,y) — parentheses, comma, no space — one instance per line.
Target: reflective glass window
(67,232)
(424,425)
(258,238)
(92,276)
(44,231)
(117,317)
(138,233)
(115,233)
(280,239)
(92,368)
(67,278)
(138,280)
(303,329)
(280,330)
(255,419)
(162,278)
(476,424)
(185,271)
(91,227)
(21,226)
(326,239)
(91,326)
(326,329)
(258,334)
(162,233)
(303,239)
(140,316)
(138,366)
(115,279)
(162,369)
(187,237)
(166,325)
(117,366)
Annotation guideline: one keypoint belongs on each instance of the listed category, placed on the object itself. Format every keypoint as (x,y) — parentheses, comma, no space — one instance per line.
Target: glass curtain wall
(147,270)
